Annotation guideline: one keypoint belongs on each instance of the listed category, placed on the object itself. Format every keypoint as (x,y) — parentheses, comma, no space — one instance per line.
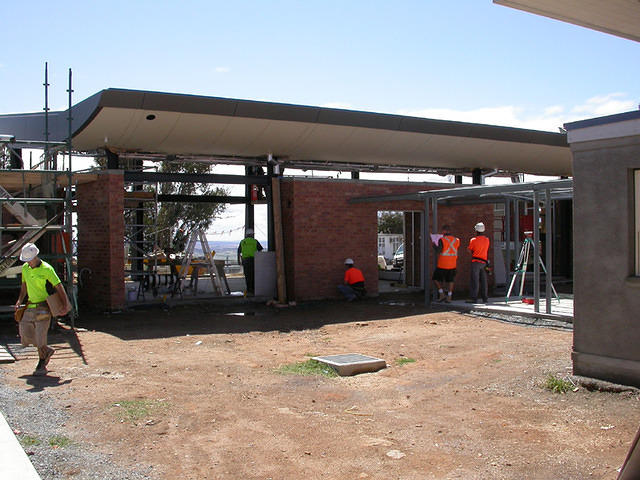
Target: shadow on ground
(159,321)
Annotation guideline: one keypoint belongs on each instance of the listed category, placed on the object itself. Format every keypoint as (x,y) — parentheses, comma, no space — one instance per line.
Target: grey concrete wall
(606,292)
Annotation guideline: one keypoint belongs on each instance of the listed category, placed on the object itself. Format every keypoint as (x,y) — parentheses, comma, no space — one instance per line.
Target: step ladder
(18,209)
(187,260)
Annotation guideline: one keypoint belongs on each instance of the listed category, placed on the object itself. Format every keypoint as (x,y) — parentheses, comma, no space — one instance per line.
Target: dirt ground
(471,406)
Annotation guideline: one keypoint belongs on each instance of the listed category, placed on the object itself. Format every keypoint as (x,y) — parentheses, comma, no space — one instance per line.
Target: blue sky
(465,60)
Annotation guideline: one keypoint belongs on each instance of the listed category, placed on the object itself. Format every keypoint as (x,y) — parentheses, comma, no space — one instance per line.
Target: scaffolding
(40,199)
(141,235)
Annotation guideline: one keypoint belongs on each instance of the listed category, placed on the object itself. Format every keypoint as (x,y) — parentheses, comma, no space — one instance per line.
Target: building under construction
(84,220)
(313,223)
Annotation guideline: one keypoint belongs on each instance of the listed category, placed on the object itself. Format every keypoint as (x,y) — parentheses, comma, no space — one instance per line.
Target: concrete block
(352,363)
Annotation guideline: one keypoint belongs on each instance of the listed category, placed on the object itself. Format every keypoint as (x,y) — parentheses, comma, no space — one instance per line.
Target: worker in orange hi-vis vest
(479,248)
(445,272)
(353,286)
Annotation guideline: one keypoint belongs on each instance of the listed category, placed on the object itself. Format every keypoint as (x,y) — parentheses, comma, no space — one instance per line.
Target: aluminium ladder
(186,263)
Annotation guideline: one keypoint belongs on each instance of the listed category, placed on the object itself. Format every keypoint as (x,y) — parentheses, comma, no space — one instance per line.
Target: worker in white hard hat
(246,256)
(353,285)
(34,323)
(479,249)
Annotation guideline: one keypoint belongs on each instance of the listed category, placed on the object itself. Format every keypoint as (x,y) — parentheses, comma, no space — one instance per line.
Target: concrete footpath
(14,462)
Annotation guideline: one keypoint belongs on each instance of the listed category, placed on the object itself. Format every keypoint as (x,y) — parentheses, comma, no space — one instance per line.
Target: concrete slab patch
(352,363)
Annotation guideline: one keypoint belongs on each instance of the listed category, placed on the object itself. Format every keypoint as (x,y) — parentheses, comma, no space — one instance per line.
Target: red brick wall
(321,229)
(100,241)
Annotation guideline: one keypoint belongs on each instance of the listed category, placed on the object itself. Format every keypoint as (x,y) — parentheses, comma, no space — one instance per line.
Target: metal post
(427,239)
(548,248)
(413,250)
(516,227)
(536,250)
(507,237)
(248,208)
(46,114)
(434,209)
(425,273)
(271,239)
(476,176)
(69,207)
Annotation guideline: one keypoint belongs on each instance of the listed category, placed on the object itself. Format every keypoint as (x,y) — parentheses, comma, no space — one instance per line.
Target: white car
(398,257)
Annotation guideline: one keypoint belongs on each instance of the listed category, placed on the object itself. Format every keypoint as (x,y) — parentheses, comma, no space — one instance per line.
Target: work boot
(47,357)
(448,299)
(442,296)
(40,369)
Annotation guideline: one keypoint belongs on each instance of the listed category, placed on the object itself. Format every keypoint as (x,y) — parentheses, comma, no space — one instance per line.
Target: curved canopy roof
(616,17)
(178,124)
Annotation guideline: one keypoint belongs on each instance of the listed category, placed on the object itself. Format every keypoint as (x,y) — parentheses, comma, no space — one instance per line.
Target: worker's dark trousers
(478,283)
(248,265)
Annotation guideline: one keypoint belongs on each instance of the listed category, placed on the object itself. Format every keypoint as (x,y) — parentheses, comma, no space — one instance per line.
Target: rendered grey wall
(606,293)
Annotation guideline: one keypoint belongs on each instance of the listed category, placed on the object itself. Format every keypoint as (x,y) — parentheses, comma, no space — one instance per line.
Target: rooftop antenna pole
(46,114)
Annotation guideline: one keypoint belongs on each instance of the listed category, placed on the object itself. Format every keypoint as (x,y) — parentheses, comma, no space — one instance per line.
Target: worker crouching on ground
(34,324)
(479,248)
(445,272)
(246,256)
(353,286)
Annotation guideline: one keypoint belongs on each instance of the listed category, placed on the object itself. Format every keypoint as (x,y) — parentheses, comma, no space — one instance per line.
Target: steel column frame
(271,238)
(68,219)
(249,211)
(427,266)
(548,248)
(507,237)
(516,227)
(536,251)
(427,239)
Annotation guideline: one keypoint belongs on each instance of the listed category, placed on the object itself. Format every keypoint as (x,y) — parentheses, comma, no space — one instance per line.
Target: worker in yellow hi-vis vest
(246,253)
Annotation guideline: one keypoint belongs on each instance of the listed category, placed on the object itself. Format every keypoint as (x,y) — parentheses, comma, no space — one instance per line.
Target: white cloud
(223,69)
(605,105)
(503,115)
(548,118)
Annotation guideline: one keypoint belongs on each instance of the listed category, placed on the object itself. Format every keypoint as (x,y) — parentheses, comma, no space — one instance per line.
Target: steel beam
(202,199)
(152,177)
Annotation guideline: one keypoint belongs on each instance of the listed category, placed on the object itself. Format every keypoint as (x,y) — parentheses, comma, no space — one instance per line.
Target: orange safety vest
(448,257)
(353,275)
(479,248)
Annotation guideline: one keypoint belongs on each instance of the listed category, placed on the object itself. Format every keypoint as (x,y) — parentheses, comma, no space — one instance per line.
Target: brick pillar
(100,241)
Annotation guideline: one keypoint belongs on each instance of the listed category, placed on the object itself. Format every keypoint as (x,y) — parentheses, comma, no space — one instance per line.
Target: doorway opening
(400,248)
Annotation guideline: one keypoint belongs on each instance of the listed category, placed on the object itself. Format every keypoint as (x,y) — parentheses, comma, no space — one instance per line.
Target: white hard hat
(479,227)
(29,252)
(249,231)
(348,261)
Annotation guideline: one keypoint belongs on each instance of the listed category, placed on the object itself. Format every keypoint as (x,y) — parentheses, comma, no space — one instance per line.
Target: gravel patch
(39,423)
(530,321)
